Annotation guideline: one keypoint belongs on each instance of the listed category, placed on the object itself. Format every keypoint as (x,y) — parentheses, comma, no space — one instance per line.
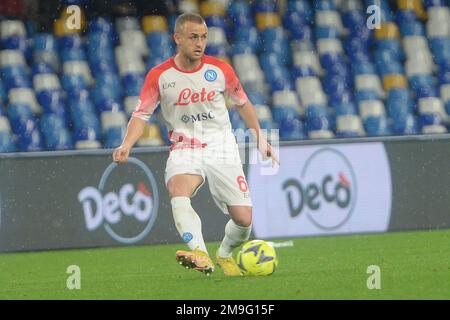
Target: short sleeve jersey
(192,102)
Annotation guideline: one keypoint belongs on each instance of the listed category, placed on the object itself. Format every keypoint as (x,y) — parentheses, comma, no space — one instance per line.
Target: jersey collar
(174,65)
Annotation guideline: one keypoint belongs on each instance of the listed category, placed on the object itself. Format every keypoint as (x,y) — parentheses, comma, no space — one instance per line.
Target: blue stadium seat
(17,42)
(85,121)
(42,67)
(281,83)
(291,128)
(293,21)
(235,119)
(426,92)
(302,7)
(154,61)
(411,28)
(44,42)
(444,72)
(70,41)
(318,123)
(238,8)
(390,67)
(3,94)
(265,6)
(86,133)
(51,100)
(434,118)
(28,135)
(257,97)
(326,32)
(102,65)
(218,22)
(304,34)
(314,111)
(110,104)
(435,3)
(104,94)
(249,36)
(55,132)
(399,103)
(345,108)
(216,50)
(132,83)
(420,80)
(6,142)
(18,112)
(353,20)
(15,77)
(76,54)
(302,71)
(440,47)
(114,137)
(362,67)
(356,49)
(405,16)
(73,82)
(377,126)
(388,49)
(324,5)
(99,41)
(103,25)
(242,21)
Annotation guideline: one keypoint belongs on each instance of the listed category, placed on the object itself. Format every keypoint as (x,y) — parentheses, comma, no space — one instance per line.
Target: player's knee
(176,190)
(244,219)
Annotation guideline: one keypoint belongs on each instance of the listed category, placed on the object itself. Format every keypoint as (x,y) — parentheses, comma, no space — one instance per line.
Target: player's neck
(186,64)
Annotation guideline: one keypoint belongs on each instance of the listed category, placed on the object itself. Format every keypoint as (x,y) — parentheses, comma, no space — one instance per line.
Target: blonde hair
(185,17)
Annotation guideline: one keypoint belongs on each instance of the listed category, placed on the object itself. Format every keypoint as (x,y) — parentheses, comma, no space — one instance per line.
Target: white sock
(234,236)
(188,223)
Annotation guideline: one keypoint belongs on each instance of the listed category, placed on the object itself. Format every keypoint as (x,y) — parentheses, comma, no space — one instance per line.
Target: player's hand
(267,152)
(121,154)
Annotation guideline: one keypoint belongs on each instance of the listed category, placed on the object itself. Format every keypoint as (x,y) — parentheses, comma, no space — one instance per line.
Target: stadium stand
(313,69)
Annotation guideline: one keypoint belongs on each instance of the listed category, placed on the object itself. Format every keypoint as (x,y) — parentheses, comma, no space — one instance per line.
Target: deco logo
(127,211)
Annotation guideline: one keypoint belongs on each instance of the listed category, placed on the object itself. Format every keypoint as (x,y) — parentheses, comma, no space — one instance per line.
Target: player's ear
(176,37)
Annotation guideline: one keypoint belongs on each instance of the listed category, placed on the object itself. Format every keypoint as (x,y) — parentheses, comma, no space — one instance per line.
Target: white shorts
(226,178)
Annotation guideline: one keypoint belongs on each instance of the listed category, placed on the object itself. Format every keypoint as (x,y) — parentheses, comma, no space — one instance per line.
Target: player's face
(192,39)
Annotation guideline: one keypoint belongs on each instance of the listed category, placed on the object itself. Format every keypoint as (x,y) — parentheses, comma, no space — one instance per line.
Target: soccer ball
(257,258)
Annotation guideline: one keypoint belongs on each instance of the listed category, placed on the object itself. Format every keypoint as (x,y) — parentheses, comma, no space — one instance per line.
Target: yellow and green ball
(257,258)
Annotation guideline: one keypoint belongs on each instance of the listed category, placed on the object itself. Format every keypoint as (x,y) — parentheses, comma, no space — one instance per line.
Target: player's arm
(134,132)
(247,111)
(147,103)
(248,114)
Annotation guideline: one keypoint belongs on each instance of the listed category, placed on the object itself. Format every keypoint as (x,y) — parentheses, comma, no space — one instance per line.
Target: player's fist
(121,154)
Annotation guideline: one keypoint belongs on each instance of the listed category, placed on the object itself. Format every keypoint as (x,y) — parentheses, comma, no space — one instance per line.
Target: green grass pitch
(413,265)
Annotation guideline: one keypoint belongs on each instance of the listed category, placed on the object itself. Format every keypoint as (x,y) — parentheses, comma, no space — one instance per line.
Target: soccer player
(192,88)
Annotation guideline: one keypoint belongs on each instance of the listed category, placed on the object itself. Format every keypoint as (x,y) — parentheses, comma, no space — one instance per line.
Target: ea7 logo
(168,85)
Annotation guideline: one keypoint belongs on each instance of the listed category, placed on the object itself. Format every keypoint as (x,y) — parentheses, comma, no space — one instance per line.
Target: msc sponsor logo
(326,197)
(197,117)
(210,75)
(127,211)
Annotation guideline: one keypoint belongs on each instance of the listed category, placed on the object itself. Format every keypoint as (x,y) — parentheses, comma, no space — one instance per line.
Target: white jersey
(193,102)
